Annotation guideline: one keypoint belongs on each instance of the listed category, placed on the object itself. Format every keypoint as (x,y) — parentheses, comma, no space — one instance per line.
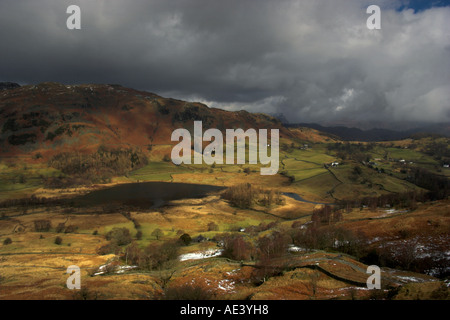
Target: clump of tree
(110,248)
(438,186)
(270,250)
(354,151)
(261,227)
(7,241)
(98,167)
(408,199)
(404,255)
(58,132)
(326,215)
(185,239)
(245,195)
(235,247)
(438,148)
(119,236)
(21,139)
(157,233)
(31,201)
(330,238)
(58,240)
(42,225)
(272,246)
(193,112)
(153,257)
(37,156)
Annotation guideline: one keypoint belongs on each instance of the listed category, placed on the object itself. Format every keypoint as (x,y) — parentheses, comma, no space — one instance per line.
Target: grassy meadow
(33,265)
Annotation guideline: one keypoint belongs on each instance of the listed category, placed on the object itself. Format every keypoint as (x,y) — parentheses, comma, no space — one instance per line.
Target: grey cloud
(311,60)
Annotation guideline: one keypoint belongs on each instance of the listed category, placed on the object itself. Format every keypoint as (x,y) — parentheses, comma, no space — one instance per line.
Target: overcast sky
(311,60)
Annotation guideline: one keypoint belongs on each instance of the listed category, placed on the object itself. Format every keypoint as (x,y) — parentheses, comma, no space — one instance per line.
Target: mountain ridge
(51,117)
(374,134)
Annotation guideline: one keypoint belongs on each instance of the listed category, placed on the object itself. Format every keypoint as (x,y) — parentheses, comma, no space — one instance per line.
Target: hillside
(85,180)
(49,118)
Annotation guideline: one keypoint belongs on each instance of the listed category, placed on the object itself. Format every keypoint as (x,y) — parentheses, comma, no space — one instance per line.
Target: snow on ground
(350,288)
(226,285)
(338,243)
(201,254)
(431,247)
(391,211)
(409,279)
(376,239)
(232,272)
(118,269)
(293,248)
(122,269)
(305,225)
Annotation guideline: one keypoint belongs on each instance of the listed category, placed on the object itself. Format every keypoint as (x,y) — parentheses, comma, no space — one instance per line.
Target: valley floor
(34,267)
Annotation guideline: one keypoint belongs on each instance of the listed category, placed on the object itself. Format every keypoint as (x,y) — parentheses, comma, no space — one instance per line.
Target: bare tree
(406,253)
(157,233)
(313,280)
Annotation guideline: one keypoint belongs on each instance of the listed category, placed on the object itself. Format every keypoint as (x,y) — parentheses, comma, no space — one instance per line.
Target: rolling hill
(50,117)
(376,134)
(59,142)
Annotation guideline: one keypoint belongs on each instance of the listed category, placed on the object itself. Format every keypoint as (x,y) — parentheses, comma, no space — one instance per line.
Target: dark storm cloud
(311,60)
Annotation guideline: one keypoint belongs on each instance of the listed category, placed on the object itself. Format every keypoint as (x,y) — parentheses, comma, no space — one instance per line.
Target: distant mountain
(50,118)
(279,116)
(356,134)
(393,125)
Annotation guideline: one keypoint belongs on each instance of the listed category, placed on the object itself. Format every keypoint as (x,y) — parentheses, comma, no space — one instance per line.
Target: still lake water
(145,194)
(297,197)
(151,195)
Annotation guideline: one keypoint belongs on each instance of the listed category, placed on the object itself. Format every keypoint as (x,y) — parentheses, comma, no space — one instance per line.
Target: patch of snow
(226,285)
(232,272)
(122,269)
(201,254)
(376,239)
(303,226)
(118,269)
(338,243)
(409,279)
(293,248)
(355,288)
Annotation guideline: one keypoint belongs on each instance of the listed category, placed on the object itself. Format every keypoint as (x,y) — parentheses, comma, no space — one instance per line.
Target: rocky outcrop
(8,85)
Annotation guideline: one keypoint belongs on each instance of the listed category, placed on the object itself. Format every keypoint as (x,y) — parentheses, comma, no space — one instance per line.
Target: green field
(21,180)
(157,171)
